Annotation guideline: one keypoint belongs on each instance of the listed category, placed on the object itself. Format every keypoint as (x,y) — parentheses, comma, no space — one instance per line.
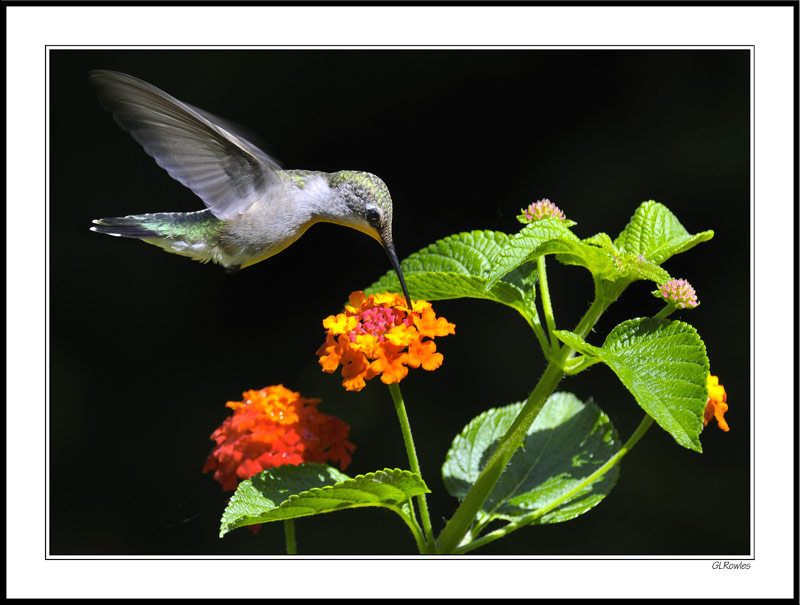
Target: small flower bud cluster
(679,292)
(540,210)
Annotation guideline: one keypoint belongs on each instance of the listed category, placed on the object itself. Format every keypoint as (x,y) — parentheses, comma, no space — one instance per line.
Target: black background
(146,347)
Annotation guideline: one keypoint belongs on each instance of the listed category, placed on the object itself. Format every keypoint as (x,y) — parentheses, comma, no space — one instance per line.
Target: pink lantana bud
(678,292)
(540,210)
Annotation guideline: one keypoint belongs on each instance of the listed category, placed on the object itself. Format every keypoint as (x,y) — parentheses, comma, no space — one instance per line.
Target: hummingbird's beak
(389,247)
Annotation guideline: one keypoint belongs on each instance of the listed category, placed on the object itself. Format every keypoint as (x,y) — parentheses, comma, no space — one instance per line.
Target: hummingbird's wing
(219,165)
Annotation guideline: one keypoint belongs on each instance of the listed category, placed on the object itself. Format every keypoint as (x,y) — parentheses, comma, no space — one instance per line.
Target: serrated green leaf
(664,365)
(290,491)
(533,240)
(457,267)
(524,278)
(638,267)
(568,441)
(602,240)
(602,263)
(656,233)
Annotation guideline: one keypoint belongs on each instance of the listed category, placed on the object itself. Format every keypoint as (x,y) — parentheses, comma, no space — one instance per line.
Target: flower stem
(665,312)
(547,306)
(405,427)
(407,514)
(536,325)
(527,519)
(459,524)
(288,530)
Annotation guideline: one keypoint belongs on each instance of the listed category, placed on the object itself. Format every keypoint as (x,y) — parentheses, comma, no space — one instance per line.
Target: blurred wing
(222,168)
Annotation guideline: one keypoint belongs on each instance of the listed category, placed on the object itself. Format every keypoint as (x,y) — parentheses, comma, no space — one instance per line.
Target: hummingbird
(253,208)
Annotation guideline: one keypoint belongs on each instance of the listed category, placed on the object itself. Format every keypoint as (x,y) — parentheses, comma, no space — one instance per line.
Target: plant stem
(528,519)
(665,312)
(547,306)
(459,524)
(407,515)
(405,427)
(288,530)
(536,326)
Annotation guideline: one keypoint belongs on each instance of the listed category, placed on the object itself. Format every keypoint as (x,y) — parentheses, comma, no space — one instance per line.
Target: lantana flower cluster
(272,427)
(378,335)
(717,403)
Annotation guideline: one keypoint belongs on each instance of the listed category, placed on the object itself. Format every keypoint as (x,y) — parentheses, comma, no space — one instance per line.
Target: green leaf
(638,267)
(601,262)
(289,491)
(540,237)
(657,234)
(602,240)
(524,278)
(664,365)
(457,267)
(546,479)
(624,266)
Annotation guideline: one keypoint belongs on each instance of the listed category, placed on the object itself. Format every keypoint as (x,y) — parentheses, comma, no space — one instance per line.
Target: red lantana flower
(378,335)
(717,403)
(272,427)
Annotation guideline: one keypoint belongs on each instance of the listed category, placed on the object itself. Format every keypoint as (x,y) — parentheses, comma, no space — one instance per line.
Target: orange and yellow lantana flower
(272,427)
(717,403)
(378,335)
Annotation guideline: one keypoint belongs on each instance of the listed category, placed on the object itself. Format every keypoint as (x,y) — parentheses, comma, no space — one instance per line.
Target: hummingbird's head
(368,208)
(367,203)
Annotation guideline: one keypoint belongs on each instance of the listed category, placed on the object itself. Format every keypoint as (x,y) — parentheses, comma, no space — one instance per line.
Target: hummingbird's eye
(374,217)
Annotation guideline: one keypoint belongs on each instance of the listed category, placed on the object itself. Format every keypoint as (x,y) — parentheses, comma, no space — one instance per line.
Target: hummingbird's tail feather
(192,234)
(124,226)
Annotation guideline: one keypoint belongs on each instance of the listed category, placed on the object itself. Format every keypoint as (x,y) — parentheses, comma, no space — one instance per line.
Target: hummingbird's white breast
(275,221)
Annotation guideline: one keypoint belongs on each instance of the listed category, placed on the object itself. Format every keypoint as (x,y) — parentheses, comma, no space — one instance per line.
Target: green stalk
(408,439)
(411,522)
(547,306)
(665,312)
(288,530)
(459,524)
(536,326)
